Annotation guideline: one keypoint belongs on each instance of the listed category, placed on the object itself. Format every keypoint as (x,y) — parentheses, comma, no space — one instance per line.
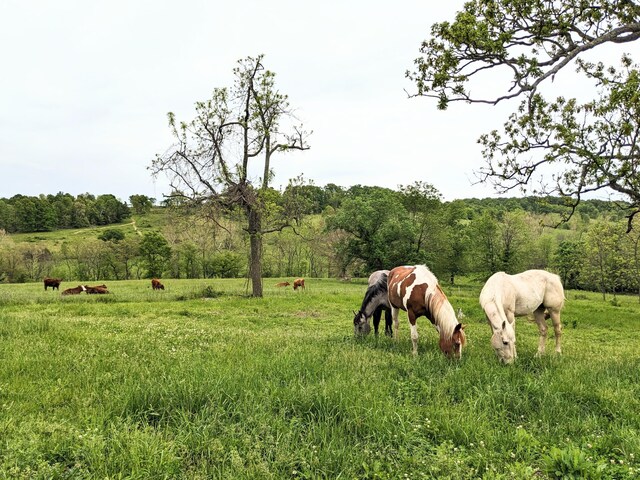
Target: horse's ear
(458,328)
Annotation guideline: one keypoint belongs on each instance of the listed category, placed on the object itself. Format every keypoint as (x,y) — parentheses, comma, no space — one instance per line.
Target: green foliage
(379,227)
(156,253)
(225,265)
(111,235)
(141,204)
(568,260)
(581,147)
(610,262)
(51,212)
(571,463)
(411,225)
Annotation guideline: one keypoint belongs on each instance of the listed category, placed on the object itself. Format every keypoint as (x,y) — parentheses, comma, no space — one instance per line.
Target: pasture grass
(202,381)
(134,225)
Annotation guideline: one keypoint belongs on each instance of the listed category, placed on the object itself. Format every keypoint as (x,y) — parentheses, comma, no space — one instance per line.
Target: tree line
(45,213)
(349,232)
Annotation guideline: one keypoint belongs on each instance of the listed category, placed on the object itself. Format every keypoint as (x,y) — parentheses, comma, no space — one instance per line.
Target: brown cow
(52,282)
(98,289)
(283,284)
(156,284)
(298,282)
(74,291)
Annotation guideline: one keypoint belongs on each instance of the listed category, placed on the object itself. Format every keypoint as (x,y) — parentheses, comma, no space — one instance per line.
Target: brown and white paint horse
(415,290)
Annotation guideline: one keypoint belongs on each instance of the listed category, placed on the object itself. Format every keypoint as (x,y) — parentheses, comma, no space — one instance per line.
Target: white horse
(505,297)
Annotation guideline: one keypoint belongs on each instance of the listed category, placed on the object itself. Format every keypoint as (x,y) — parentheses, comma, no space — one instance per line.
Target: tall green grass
(202,381)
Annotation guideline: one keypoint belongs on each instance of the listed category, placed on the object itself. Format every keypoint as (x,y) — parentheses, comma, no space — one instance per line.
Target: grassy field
(136,224)
(200,381)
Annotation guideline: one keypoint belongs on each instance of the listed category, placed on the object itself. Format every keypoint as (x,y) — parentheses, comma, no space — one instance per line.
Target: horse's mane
(439,310)
(378,288)
(444,317)
(493,295)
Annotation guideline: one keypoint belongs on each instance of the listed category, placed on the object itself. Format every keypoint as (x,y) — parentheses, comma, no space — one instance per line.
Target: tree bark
(255,260)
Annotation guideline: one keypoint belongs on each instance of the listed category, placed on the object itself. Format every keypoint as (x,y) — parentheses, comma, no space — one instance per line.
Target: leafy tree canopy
(548,145)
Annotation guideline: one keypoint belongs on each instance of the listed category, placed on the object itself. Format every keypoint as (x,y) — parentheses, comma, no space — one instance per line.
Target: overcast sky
(85,87)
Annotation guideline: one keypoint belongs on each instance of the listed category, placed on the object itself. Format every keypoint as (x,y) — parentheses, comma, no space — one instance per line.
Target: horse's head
(360,324)
(503,342)
(452,347)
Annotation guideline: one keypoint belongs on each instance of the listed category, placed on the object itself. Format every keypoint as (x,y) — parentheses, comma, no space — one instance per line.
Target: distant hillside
(46,213)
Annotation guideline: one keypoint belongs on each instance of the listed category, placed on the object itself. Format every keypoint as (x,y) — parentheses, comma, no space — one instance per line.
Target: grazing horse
(74,291)
(416,290)
(283,284)
(98,289)
(54,283)
(505,297)
(156,284)
(298,282)
(375,302)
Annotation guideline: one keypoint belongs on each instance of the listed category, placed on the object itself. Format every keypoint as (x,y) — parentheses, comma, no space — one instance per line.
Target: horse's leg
(557,327)
(376,318)
(394,317)
(511,318)
(388,330)
(414,331)
(538,316)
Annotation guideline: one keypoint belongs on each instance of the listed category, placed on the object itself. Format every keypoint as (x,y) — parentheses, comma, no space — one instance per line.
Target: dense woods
(46,213)
(337,232)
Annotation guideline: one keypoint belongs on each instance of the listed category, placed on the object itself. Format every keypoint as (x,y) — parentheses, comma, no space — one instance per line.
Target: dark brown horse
(156,284)
(54,283)
(415,290)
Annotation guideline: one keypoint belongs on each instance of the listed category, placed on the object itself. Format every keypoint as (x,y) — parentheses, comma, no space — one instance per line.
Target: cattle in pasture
(298,283)
(283,284)
(54,283)
(156,284)
(98,289)
(375,302)
(74,291)
(505,297)
(416,290)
